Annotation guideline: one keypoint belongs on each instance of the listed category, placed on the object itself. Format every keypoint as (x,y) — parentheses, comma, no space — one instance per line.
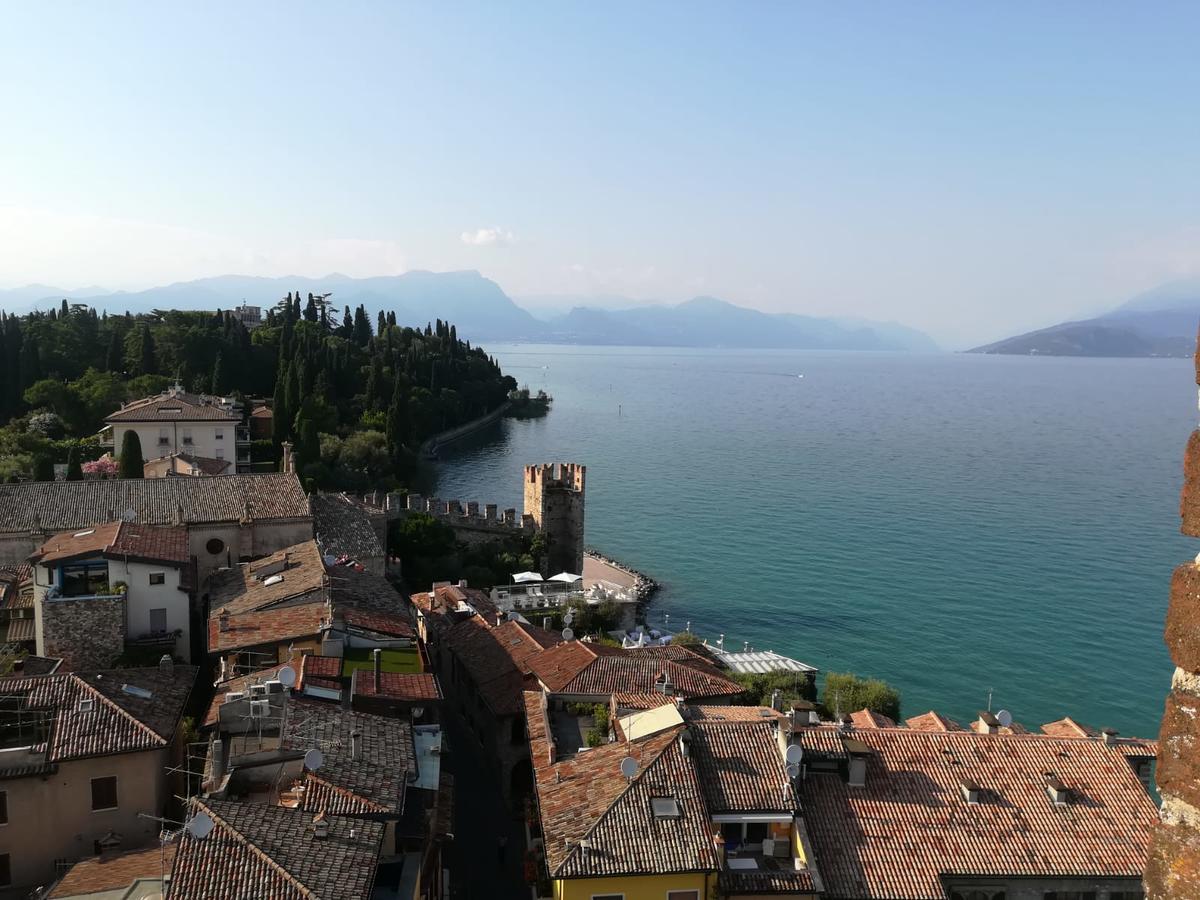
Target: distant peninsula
(1161,322)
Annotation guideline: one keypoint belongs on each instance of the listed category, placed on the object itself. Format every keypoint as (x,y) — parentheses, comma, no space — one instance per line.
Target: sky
(969,169)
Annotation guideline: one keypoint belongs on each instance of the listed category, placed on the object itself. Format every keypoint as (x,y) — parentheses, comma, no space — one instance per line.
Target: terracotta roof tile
(114,873)
(343,527)
(932,721)
(397,685)
(1068,728)
(580,667)
(39,506)
(285,576)
(164,543)
(874,841)
(641,699)
(267,626)
(233,685)
(257,850)
(868,718)
(173,407)
(498,659)
(733,714)
(741,767)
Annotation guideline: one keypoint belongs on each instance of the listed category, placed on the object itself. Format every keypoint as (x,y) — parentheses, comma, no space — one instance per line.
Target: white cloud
(488,237)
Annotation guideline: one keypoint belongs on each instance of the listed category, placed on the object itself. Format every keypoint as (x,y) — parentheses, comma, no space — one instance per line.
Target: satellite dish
(569,618)
(130,515)
(793,770)
(629,767)
(200,825)
(567,634)
(314,759)
(794,754)
(288,676)
(1004,717)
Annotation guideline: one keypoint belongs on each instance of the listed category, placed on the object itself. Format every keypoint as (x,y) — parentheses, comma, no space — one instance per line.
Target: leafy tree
(74,469)
(760,687)
(847,693)
(43,468)
(130,462)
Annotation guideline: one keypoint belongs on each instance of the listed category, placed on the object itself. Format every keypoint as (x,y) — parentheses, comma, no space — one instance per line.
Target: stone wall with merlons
(1173,870)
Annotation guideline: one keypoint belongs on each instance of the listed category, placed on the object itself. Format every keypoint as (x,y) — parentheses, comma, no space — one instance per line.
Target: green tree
(43,468)
(74,467)
(114,357)
(129,464)
(846,693)
(147,358)
(218,374)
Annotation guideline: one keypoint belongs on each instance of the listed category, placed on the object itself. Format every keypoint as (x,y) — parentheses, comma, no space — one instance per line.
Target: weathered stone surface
(1173,869)
(1189,497)
(87,634)
(1179,748)
(1182,633)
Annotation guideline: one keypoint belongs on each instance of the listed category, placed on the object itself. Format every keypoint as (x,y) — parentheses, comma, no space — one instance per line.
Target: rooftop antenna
(629,767)
(1004,717)
(989,699)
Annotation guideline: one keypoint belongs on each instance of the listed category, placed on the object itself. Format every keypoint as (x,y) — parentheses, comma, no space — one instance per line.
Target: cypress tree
(397,417)
(218,374)
(74,469)
(114,356)
(281,417)
(347,323)
(362,327)
(129,463)
(147,362)
(31,364)
(66,310)
(310,309)
(381,325)
(43,466)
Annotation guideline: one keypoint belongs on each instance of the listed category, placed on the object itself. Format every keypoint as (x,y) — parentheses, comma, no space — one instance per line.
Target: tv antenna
(989,699)
(1004,717)
(629,767)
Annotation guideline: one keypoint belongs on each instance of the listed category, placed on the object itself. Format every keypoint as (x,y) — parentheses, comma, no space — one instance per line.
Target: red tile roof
(397,685)
(641,699)
(233,685)
(168,544)
(497,659)
(300,571)
(391,624)
(267,626)
(114,873)
(1068,727)
(117,722)
(580,667)
(173,407)
(320,671)
(868,718)
(263,851)
(932,721)
(703,713)
(877,841)
(741,767)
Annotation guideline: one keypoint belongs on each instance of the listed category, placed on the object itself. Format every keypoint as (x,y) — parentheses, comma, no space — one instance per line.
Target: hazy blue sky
(966,168)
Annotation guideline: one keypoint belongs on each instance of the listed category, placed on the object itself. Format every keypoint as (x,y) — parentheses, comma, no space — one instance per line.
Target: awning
(526,577)
(567,578)
(759,662)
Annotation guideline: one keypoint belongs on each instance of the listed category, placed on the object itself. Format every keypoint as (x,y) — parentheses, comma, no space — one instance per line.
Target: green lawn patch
(406,661)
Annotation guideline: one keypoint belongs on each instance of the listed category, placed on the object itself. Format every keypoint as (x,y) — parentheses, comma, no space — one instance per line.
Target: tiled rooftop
(498,658)
(932,721)
(375,781)
(267,626)
(114,873)
(438,606)
(284,576)
(580,667)
(127,540)
(875,841)
(741,767)
(119,721)
(206,464)
(174,406)
(397,685)
(40,506)
(241,683)
(258,850)
(868,718)
(343,527)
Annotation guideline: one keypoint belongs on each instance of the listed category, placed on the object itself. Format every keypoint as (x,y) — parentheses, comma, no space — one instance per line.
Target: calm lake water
(949,523)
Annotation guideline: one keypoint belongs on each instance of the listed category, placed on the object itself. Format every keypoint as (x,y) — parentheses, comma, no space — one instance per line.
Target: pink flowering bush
(104,467)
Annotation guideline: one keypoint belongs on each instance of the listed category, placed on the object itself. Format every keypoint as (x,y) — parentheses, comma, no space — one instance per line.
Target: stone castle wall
(1173,871)
(87,634)
(554,499)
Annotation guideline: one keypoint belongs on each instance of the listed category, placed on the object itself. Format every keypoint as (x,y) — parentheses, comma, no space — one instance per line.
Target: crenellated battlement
(569,476)
(503,523)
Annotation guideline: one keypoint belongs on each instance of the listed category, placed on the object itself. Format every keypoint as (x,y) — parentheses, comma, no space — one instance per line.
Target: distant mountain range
(1160,322)
(482,312)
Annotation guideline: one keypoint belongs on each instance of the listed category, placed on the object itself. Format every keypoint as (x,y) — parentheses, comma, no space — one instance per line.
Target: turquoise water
(950,523)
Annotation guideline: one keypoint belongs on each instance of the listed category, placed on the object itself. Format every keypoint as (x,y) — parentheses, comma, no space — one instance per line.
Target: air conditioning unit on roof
(260,709)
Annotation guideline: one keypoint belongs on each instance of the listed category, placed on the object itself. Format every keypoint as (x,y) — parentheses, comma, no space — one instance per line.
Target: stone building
(554,499)
(1174,869)
(178,422)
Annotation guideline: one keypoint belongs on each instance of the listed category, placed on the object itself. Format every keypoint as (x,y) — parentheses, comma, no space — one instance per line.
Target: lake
(951,523)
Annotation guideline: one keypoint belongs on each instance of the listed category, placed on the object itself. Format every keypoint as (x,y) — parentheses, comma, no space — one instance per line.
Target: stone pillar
(1173,870)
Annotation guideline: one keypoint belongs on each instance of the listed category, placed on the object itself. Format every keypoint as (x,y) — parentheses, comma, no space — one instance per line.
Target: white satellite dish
(567,634)
(794,754)
(130,515)
(1004,717)
(314,759)
(629,767)
(569,618)
(288,676)
(793,770)
(200,825)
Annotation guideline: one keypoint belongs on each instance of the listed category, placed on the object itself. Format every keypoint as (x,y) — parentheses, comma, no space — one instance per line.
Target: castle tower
(1173,871)
(554,497)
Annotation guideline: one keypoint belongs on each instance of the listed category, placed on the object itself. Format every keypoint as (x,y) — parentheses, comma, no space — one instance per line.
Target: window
(3,807)
(84,579)
(608,897)
(220,453)
(158,620)
(683,895)
(214,546)
(158,578)
(104,793)
(664,807)
(220,435)
(5,870)
(164,437)
(187,435)
(756,831)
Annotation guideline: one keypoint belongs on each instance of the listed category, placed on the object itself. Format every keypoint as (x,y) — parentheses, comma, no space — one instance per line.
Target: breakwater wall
(430,448)
(644,587)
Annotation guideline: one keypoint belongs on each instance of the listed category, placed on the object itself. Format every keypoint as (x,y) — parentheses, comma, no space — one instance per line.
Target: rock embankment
(643,586)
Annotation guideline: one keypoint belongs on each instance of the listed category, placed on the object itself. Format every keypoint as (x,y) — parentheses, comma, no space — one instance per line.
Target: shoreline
(644,587)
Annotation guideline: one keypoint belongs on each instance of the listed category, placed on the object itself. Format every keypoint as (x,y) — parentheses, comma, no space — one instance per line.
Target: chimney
(377,656)
(803,713)
(987,723)
(320,826)
(218,761)
(223,619)
(166,663)
(845,724)
(1059,792)
(462,582)
(355,744)
(288,466)
(719,847)
(970,790)
(777,700)
(1110,736)
(222,676)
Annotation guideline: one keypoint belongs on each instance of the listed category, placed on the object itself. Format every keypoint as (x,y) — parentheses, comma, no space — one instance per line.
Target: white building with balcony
(102,590)
(176,422)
